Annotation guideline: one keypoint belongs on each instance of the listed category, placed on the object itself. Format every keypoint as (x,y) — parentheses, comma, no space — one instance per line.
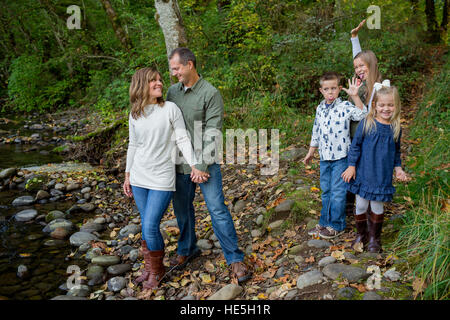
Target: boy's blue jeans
(152,204)
(333,194)
(221,219)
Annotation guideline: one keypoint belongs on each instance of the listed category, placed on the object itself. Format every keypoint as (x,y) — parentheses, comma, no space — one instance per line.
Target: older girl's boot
(375,226)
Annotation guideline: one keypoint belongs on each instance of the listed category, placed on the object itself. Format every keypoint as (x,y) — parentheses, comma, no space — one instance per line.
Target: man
(200,102)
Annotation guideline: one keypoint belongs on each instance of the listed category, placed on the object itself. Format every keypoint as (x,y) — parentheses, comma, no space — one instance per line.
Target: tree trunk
(169,18)
(120,33)
(444,23)
(432,25)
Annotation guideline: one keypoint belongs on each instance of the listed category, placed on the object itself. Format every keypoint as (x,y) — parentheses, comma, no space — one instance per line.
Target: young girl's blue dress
(374,154)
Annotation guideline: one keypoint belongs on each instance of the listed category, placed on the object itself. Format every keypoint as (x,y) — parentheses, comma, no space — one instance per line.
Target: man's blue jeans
(152,204)
(221,219)
(333,194)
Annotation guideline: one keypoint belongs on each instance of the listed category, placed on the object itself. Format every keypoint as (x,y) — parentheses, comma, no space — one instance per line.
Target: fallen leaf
(210,267)
(314,189)
(206,278)
(418,286)
(359,247)
(360,287)
(338,255)
(310,259)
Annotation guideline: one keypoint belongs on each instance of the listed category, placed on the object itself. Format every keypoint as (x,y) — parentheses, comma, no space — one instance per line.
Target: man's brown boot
(375,226)
(156,268)
(240,271)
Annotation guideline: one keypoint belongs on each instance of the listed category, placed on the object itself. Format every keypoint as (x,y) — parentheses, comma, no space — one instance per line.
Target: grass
(423,238)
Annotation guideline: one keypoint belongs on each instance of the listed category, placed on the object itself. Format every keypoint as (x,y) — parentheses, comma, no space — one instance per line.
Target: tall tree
(114,19)
(169,18)
(444,22)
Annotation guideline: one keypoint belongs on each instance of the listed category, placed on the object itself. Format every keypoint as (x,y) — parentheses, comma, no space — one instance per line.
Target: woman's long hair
(139,91)
(370,125)
(369,58)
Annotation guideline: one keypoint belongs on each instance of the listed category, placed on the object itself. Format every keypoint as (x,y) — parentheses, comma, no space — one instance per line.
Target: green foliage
(426,228)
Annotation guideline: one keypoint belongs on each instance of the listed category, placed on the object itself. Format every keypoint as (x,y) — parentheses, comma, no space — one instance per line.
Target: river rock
(310,278)
(92,253)
(26,215)
(86,190)
(106,260)
(55,214)
(256,233)
(370,295)
(239,206)
(23,201)
(285,206)
(346,293)
(72,186)
(260,220)
(118,269)
(81,290)
(66,297)
(91,227)
(116,284)
(41,194)
(22,271)
(297,249)
(228,292)
(78,238)
(59,233)
(319,244)
(100,220)
(392,275)
(352,274)
(87,207)
(133,255)
(54,243)
(275,224)
(58,223)
(293,154)
(326,261)
(7,173)
(56,193)
(129,229)
(94,271)
(60,186)
(204,244)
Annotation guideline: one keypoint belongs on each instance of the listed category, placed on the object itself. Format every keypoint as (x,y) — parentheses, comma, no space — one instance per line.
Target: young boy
(331,135)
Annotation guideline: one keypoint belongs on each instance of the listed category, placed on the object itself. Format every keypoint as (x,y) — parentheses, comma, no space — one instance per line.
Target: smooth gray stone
(106,261)
(66,297)
(352,274)
(370,295)
(79,238)
(26,215)
(7,173)
(79,291)
(58,223)
(92,227)
(347,293)
(285,206)
(118,269)
(319,243)
(310,278)
(129,229)
(116,284)
(23,201)
(228,292)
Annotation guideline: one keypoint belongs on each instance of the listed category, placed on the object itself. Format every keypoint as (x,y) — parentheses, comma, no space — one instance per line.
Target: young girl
(366,69)
(150,169)
(374,155)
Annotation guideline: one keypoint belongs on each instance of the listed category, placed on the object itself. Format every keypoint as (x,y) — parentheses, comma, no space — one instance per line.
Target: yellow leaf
(176,285)
(359,247)
(206,278)
(314,189)
(262,296)
(338,255)
(113,234)
(25,255)
(184,282)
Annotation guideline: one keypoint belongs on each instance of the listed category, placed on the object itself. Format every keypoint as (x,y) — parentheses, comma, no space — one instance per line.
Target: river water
(25,243)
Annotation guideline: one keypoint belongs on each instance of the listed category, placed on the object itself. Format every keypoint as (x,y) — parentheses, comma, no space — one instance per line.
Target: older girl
(374,155)
(156,128)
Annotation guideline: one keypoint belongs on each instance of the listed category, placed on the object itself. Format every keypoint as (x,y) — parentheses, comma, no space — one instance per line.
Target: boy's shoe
(330,233)
(316,230)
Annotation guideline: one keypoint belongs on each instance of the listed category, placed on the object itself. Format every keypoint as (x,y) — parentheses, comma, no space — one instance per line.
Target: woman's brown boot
(375,226)
(146,271)
(156,268)
(361,229)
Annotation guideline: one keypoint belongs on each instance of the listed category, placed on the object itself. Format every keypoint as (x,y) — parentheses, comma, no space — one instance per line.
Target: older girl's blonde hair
(139,91)
(370,125)
(369,58)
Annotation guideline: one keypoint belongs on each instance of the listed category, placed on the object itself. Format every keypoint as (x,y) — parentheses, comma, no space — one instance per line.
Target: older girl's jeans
(152,204)
(333,194)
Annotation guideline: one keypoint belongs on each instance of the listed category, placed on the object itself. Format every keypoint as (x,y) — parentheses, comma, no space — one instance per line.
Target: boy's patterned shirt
(331,130)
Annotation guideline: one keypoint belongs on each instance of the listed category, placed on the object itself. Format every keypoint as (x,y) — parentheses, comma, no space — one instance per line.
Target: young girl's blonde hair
(139,91)
(395,119)
(369,58)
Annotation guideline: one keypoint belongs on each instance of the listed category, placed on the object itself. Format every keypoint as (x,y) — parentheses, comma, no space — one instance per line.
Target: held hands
(198,176)
(355,31)
(353,87)
(349,174)
(127,186)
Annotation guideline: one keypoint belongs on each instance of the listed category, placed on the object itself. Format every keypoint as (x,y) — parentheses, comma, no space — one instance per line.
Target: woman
(156,128)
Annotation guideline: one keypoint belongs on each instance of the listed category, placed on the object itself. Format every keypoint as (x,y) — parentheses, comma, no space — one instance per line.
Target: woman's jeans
(333,194)
(152,204)
(221,219)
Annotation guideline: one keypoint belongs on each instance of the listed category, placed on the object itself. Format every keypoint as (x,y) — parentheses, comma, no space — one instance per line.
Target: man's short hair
(185,55)
(330,75)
